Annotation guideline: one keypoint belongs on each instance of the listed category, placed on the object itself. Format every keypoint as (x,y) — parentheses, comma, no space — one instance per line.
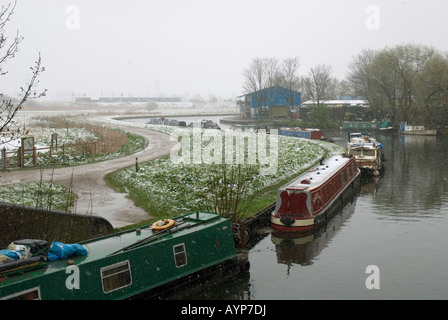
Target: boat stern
(293,210)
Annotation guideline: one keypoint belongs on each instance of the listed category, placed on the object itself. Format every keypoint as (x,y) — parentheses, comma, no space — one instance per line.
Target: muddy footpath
(95,197)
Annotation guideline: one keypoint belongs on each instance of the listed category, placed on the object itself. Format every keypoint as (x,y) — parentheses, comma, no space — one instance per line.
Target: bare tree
(229,186)
(359,73)
(290,76)
(366,79)
(254,81)
(273,73)
(254,76)
(263,73)
(405,83)
(319,84)
(8,50)
(434,88)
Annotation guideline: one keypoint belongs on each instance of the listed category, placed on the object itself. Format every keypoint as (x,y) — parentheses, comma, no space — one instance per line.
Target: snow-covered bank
(177,188)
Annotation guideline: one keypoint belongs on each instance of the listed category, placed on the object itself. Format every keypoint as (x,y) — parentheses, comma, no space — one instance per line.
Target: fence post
(34,157)
(20,157)
(4,158)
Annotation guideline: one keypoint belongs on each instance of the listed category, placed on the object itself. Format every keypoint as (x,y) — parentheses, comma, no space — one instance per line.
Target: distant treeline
(404,83)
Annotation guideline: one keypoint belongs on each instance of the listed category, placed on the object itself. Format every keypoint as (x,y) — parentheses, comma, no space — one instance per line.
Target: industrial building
(274,103)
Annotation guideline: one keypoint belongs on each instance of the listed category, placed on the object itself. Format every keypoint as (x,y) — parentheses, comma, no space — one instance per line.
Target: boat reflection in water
(370,185)
(301,248)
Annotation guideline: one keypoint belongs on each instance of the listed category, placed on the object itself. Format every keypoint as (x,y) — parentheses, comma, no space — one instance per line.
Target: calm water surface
(398,223)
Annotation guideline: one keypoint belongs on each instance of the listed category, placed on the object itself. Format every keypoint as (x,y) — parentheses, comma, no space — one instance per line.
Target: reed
(111,140)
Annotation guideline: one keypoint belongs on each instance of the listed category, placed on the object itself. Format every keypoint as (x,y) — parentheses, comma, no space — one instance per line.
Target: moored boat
(416,130)
(250,128)
(368,153)
(360,125)
(308,133)
(148,261)
(306,202)
(367,125)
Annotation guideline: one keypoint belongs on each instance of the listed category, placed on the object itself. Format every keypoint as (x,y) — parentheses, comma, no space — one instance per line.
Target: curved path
(95,197)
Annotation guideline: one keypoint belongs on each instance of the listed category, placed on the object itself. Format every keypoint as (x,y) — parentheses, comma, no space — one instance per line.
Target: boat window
(180,255)
(342,178)
(369,153)
(355,152)
(348,172)
(30,294)
(116,276)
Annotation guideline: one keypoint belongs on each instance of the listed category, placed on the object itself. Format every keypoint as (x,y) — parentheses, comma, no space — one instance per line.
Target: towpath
(95,197)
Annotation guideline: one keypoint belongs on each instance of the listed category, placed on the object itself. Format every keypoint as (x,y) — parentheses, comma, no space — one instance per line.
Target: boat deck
(99,248)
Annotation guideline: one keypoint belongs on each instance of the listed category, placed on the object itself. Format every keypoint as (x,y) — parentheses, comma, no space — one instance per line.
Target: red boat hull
(303,204)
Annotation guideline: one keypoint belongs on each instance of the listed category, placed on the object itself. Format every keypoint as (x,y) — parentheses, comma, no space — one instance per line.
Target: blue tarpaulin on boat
(59,250)
(11,254)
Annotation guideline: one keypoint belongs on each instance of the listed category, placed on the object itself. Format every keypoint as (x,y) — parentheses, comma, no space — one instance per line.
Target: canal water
(390,242)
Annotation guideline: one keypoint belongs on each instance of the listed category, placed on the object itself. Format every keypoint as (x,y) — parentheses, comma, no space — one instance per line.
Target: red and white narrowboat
(304,203)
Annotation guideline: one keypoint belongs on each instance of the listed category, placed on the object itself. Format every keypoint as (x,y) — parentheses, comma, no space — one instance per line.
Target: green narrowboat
(367,125)
(140,263)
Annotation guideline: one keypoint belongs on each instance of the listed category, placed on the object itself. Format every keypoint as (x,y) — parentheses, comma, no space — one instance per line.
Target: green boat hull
(366,125)
(358,125)
(133,263)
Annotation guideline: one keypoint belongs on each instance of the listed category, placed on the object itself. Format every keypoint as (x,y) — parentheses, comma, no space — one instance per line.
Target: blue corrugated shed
(275,96)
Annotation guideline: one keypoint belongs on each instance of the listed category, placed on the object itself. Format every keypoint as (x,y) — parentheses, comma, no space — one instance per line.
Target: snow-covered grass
(111,143)
(165,188)
(42,130)
(40,195)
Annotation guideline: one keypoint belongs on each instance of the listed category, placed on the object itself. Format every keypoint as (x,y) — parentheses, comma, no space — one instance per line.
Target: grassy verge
(39,195)
(166,189)
(111,143)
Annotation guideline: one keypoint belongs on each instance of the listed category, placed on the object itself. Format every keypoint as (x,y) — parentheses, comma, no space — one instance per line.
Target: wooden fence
(47,155)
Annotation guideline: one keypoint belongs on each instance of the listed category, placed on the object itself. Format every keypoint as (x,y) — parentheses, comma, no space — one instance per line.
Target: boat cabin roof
(365,145)
(105,246)
(301,129)
(319,174)
(362,141)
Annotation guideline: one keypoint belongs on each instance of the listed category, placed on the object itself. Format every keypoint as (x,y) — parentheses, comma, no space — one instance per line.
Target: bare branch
(9,129)
(7,51)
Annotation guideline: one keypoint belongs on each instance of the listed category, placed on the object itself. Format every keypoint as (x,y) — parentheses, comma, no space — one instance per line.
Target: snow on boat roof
(108,245)
(318,174)
(365,145)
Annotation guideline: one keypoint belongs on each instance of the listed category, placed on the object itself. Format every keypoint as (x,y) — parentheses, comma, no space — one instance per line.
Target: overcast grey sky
(174,47)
